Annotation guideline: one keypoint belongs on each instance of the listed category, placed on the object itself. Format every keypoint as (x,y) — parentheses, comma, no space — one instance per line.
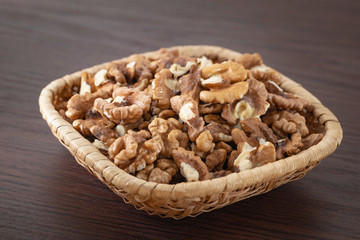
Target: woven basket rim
(188,190)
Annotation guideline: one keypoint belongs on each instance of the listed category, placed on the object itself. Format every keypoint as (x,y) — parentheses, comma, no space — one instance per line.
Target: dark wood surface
(45,194)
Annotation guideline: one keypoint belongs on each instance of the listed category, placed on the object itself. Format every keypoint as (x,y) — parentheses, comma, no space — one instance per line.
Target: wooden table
(45,194)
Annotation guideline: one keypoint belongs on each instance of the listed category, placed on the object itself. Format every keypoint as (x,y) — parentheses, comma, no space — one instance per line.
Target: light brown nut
(78,105)
(215,82)
(208,108)
(161,92)
(159,176)
(267,74)
(125,148)
(272,87)
(100,78)
(223,145)
(104,134)
(255,128)
(250,60)
(226,71)
(228,115)
(243,160)
(284,123)
(87,84)
(264,154)
(177,70)
(219,132)
(191,166)
(190,86)
(144,174)
(287,101)
(163,129)
(204,142)
(216,159)
(167,114)
(311,140)
(118,113)
(214,118)
(127,106)
(231,159)
(187,109)
(177,138)
(198,152)
(147,154)
(254,102)
(239,137)
(225,95)
(164,171)
(289,147)
(117,71)
(168,166)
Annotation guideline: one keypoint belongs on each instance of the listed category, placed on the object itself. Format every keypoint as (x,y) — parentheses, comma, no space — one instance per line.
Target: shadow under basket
(190,198)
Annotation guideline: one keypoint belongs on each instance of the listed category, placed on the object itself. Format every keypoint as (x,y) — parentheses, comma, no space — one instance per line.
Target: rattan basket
(189,199)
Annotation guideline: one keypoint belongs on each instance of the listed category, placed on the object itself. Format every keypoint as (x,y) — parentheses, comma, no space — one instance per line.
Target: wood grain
(44,194)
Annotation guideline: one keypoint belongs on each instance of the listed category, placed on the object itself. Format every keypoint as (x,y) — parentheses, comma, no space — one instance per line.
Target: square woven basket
(189,198)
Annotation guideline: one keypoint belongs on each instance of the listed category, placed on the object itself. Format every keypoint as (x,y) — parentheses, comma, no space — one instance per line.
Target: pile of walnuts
(170,118)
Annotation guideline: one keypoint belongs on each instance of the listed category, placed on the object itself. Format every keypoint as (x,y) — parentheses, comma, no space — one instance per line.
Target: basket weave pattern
(189,199)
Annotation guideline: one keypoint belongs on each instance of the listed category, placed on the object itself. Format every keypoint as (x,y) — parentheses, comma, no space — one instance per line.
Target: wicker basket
(189,199)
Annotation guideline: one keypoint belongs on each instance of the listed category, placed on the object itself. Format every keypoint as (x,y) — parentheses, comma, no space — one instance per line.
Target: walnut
(127,106)
(191,166)
(311,140)
(161,93)
(250,60)
(164,130)
(125,148)
(215,82)
(204,142)
(223,145)
(190,86)
(257,129)
(133,152)
(147,154)
(284,123)
(78,105)
(264,154)
(117,71)
(267,74)
(253,104)
(177,70)
(145,173)
(216,159)
(289,147)
(100,78)
(187,109)
(243,162)
(165,59)
(223,73)
(130,72)
(239,137)
(227,114)
(177,138)
(225,95)
(87,84)
(164,171)
(208,108)
(167,114)
(272,87)
(219,132)
(214,118)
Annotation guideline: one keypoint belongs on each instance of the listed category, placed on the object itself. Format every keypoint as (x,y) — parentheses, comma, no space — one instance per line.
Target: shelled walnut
(166,117)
